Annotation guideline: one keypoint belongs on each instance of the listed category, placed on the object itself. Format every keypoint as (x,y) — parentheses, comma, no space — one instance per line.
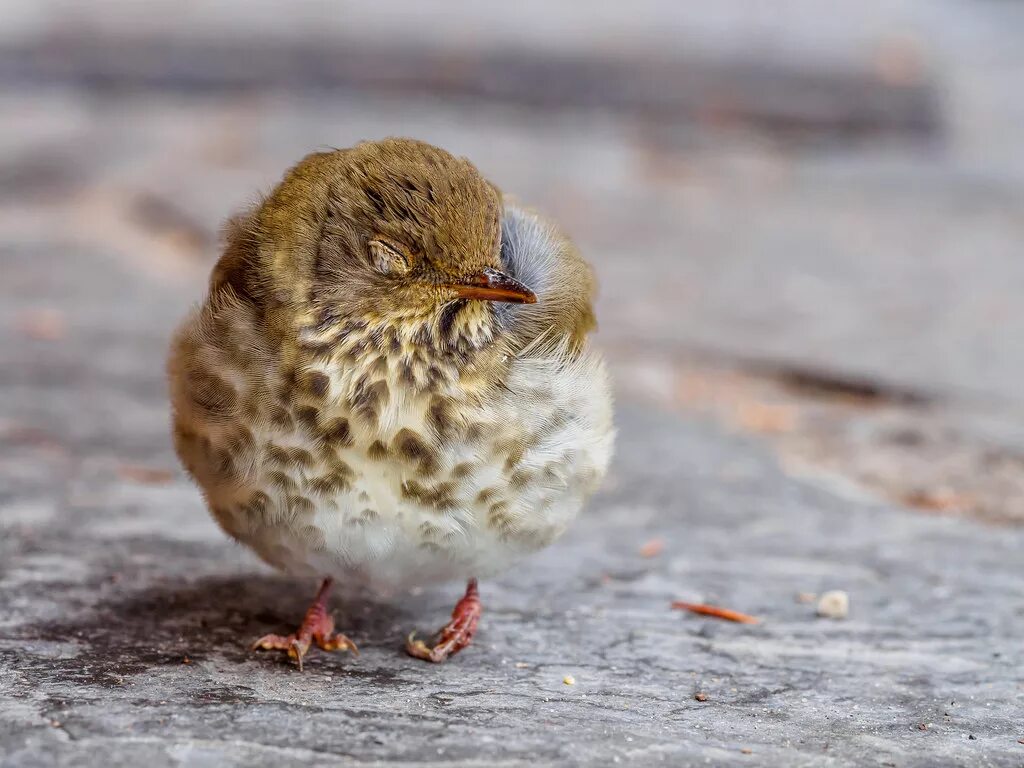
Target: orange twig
(652,548)
(714,610)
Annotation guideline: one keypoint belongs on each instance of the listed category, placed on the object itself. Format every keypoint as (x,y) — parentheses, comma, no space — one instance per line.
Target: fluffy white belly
(394,508)
(384,557)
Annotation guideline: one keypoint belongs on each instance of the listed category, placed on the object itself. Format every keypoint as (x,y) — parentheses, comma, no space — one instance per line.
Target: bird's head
(395,233)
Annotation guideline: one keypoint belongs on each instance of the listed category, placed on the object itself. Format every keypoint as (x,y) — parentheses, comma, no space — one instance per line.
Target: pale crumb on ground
(522,665)
(652,548)
(806,597)
(834,604)
(569,680)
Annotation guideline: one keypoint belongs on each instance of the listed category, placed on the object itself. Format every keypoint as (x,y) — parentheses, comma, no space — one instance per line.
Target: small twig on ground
(652,548)
(713,610)
(138,473)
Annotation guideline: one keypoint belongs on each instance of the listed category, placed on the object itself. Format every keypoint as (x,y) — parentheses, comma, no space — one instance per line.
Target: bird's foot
(456,634)
(317,627)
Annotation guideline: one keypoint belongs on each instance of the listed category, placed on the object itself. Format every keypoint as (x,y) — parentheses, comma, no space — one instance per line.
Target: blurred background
(807,217)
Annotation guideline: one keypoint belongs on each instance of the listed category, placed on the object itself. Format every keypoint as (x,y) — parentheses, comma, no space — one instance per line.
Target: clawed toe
(455,635)
(317,627)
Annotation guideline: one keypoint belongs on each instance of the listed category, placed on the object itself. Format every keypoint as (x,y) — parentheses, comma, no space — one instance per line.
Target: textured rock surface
(813,342)
(125,615)
(125,627)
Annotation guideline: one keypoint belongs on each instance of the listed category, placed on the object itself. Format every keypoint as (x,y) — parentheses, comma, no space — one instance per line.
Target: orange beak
(492,285)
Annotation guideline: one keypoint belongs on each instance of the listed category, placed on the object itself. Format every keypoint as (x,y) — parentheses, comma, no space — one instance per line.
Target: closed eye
(390,258)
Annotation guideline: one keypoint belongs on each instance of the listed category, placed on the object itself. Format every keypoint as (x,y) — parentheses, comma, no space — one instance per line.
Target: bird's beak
(492,285)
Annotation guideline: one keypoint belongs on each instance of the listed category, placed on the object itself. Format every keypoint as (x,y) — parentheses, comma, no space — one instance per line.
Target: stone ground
(808,230)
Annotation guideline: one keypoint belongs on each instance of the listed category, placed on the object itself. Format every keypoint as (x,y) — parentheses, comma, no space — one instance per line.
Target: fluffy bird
(390,382)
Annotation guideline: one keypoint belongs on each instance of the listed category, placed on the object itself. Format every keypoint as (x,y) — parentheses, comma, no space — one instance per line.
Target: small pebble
(700,696)
(834,604)
(569,680)
(747,751)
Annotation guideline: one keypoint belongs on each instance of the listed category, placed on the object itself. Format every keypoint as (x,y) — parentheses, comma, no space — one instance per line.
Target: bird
(392,383)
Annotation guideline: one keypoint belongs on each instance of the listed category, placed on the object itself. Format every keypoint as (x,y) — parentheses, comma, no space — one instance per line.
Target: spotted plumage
(358,396)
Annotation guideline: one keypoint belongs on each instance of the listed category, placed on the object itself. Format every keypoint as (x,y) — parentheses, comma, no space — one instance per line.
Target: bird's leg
(456,634)
(317,626)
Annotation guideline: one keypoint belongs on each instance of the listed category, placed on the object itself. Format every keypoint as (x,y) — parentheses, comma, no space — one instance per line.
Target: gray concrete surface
(814,334)
(109,587)
(125,616)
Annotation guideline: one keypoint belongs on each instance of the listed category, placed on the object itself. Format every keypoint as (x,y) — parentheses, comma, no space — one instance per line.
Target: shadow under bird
(390,382)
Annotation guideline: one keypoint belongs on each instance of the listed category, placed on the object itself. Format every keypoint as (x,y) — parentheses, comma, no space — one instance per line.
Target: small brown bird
(390,382)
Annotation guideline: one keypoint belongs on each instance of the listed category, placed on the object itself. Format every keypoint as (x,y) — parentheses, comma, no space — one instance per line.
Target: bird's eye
(389,258)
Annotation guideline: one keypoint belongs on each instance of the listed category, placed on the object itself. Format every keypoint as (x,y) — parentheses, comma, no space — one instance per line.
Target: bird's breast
(395,468)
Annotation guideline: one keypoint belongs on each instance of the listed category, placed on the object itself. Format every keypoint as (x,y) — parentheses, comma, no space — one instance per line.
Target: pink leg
(317,627)
(456,634)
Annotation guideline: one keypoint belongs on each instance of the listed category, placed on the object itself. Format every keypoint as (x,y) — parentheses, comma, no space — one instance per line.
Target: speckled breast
(384,468)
